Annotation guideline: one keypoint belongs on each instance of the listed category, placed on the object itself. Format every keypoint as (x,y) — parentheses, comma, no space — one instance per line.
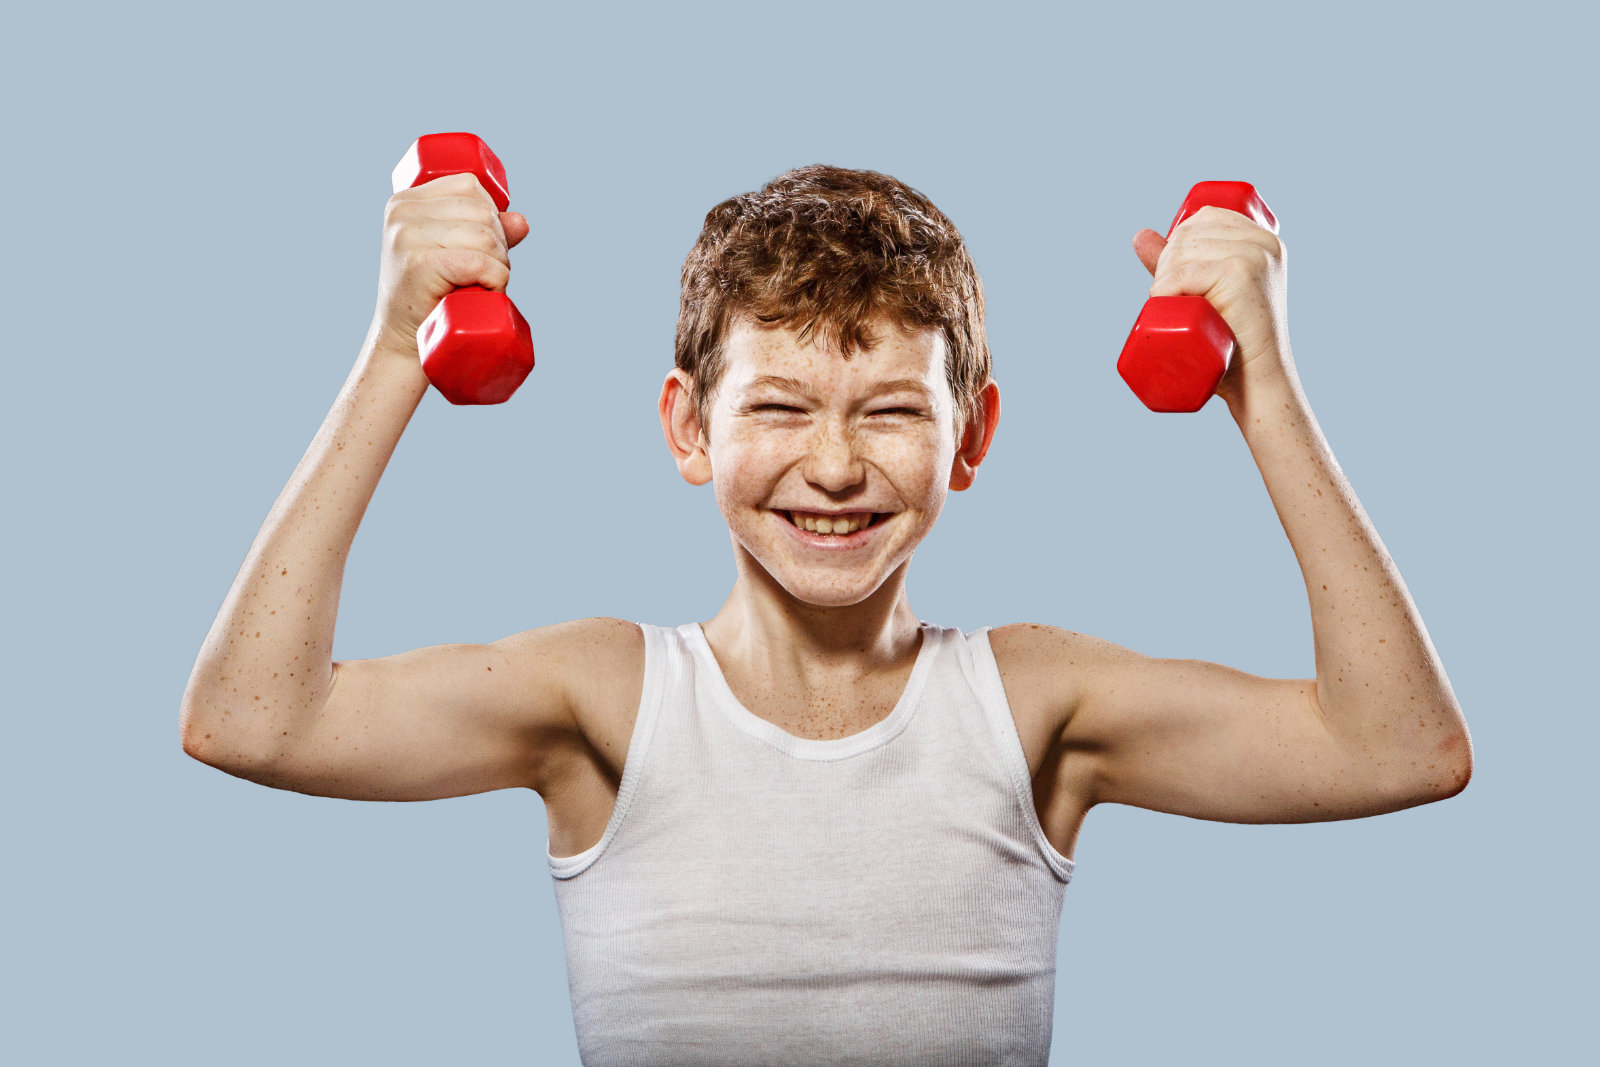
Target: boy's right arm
(265,700)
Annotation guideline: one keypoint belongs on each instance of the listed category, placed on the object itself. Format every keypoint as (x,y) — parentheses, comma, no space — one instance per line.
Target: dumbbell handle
(475,347)
(1179,347)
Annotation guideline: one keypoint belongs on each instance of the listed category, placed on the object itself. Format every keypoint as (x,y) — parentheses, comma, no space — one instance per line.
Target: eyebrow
(800,388)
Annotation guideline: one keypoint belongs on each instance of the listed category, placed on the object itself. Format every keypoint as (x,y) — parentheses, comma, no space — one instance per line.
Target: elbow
(1455,759)
(191,725)
(218,751)
(192,746)
(194,742)
(1462,748)
(1431,775)
(1453,786)
(188,732)
(198,736)
(1463,776)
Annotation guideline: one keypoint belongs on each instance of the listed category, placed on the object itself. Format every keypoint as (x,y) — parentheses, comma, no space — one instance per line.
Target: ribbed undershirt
(759,898)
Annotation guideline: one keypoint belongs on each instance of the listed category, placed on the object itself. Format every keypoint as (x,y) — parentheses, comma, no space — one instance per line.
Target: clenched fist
(439,236)
(1242,268)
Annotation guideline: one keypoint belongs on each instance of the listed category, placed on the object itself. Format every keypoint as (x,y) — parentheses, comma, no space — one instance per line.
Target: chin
(831,598)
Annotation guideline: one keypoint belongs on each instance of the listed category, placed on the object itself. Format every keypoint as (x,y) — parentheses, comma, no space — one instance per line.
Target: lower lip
(833,542)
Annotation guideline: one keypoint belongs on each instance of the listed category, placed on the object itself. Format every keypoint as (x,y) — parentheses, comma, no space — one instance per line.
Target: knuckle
(492,272)
(403,213)
(398,236)
(1190,230)
(479,259)
(450,263)
(1178,278)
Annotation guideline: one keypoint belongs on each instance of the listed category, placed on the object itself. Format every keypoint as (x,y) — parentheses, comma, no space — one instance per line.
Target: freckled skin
(802,620)
(828,457)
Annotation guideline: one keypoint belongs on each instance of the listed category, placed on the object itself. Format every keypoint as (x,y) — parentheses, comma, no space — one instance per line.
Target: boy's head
(833,324)
(827,251)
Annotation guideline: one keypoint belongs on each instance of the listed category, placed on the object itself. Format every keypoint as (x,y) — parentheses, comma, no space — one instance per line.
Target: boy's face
(872,434)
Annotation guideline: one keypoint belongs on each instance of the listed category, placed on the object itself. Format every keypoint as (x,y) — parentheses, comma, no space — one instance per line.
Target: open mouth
(841,526)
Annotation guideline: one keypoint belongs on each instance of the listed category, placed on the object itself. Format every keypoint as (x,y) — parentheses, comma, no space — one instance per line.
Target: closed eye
(881,411)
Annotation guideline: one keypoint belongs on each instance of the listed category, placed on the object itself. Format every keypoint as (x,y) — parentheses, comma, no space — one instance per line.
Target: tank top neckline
(806,748)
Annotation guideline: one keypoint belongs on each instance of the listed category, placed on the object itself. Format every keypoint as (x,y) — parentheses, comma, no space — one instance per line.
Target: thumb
(1147,245)
(516,226)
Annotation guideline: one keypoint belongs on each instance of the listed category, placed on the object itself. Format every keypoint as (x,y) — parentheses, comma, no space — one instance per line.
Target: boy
(816,829)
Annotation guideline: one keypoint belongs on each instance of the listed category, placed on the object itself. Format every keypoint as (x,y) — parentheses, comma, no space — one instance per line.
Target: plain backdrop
(193,198)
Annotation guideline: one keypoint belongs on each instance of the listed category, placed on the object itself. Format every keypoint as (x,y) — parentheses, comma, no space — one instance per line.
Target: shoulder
(575,665)
(1047,673)
(604,680)
(577,652)
(604,638)
(1049,668)
(599,654)
(1032,645)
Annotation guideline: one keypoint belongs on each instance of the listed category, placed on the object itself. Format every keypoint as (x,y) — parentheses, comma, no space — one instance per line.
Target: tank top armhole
(989,686)
(659,655)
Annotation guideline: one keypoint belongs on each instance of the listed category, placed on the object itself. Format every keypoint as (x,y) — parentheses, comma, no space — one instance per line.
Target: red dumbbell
(476,347)
(1180,347)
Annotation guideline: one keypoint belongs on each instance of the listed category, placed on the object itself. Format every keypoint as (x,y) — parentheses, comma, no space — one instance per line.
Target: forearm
(268,658)
(1380,684)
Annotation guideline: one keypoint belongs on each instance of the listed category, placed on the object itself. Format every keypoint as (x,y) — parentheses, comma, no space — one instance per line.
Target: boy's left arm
(1212,742)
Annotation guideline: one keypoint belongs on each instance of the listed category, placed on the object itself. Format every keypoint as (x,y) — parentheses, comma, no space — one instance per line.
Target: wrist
(394,373)
(1264,391)
(383,348)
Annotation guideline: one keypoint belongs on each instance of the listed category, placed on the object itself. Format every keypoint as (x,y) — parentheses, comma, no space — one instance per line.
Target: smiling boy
(816,828)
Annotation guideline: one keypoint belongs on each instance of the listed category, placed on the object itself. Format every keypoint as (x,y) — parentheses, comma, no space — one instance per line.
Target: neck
(765,626)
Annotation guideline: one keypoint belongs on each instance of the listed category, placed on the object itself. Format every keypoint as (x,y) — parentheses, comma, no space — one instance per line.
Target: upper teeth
(839,524)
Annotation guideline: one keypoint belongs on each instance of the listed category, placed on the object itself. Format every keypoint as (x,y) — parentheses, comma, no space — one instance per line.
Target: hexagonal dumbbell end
(1180,347)
(1235,196)
(1176,354)
(435,155)
(476,347)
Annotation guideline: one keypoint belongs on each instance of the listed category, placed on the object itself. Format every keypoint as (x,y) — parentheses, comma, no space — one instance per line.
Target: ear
(681,425)
(975,438)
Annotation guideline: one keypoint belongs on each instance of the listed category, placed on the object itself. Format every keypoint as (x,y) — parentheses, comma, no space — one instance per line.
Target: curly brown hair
(828,250)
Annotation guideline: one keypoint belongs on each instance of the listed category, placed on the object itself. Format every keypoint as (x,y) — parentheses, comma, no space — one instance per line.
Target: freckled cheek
(744,448)
(763,447)
(912,453)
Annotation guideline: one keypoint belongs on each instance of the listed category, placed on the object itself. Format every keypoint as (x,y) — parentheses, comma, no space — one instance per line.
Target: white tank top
(760,898)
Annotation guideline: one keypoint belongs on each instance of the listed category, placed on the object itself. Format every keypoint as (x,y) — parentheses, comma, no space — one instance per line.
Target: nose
(831,462)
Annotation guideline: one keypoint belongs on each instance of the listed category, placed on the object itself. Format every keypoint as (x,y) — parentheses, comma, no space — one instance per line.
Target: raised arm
(267,662)
(1379,727)
(265,670)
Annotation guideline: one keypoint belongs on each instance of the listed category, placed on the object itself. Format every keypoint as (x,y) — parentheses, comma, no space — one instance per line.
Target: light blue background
(193,199)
